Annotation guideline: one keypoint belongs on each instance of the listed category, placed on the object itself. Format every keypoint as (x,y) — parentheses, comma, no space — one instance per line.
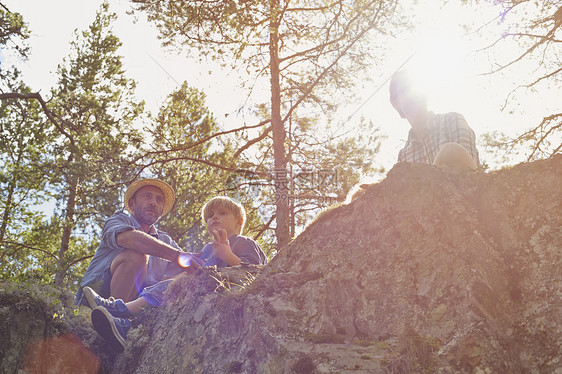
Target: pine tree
(90,158)
(305,50)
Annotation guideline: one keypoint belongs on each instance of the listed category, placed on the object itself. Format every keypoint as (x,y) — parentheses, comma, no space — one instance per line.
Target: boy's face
(221,218)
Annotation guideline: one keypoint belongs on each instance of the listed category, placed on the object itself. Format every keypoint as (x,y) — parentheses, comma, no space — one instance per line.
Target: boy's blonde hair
(227,203)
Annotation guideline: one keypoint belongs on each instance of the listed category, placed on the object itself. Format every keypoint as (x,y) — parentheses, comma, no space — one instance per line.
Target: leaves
(13,32)
(305,50)
(79,157)
(530,43)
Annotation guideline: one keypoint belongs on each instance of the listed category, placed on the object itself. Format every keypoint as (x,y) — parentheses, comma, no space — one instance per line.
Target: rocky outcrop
(430,270)
(41,331)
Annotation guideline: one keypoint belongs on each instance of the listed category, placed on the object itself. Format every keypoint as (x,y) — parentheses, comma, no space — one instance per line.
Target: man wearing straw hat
(132,252)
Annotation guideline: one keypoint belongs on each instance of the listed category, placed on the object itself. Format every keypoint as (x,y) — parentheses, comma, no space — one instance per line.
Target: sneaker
(112,329)
(116,307)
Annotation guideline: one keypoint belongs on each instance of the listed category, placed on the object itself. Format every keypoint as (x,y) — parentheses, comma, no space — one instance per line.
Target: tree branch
(326,70)
(202,141)
(21,245)
(50,114)
(529,85)
(253,141)
(543,39)
(79,260)
(205,162)
(265,227)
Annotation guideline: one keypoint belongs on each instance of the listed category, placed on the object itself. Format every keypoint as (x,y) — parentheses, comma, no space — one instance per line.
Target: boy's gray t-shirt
(245,248)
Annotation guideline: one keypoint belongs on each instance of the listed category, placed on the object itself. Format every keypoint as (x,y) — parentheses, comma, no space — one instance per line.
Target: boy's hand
(221,246)
(222,249)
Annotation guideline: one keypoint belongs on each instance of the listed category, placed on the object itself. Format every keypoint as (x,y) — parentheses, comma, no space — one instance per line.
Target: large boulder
(430,270)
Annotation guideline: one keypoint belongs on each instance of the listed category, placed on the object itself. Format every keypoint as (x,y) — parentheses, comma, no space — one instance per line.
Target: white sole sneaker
(90,297)
(104,324)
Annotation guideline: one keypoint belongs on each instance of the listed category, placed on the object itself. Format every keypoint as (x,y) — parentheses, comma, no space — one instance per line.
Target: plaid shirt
(441,128)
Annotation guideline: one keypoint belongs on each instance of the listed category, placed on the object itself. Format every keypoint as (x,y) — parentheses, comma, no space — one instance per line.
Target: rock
(430,270)
(40,333)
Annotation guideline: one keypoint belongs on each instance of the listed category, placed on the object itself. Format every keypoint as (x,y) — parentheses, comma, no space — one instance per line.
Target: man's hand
(187,260)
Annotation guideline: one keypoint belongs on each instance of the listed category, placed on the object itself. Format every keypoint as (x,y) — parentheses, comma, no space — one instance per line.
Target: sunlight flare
(440,66)
(184,260)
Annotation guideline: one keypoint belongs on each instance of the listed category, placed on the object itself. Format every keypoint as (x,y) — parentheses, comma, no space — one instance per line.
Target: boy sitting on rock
(224,219)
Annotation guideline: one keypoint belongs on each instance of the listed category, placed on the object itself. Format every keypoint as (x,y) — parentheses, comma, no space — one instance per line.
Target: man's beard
(146,218)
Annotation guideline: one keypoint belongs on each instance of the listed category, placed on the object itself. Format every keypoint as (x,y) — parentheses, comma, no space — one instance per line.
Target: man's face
(408,101)
(221,218)
(147,205)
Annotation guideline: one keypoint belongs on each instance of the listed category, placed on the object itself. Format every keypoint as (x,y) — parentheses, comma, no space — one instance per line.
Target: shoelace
(110,301)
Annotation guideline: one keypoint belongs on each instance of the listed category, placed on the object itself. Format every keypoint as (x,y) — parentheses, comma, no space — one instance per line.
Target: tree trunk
(67,230)
(9,198)
(278,130)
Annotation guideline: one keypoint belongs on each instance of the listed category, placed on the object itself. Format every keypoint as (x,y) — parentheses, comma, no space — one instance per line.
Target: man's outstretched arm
(142,242)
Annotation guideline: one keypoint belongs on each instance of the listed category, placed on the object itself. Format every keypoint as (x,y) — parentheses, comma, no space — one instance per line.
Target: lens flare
(64,353)
(184,260)
(442,66)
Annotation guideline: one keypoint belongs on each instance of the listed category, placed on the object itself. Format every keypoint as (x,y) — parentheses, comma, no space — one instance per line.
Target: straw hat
(167,190)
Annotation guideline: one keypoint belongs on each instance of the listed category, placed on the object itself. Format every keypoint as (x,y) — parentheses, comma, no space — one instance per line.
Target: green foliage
(184,153)
(178,144)
(37,315)
(78,158)
(305,52)
(322,45)
(90,152)
(28,295)
(501,148)
(96,103)
(542,141)
(23,141)
(13,32)
(24,138)
(324,166)
(33,254)
(91,147)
